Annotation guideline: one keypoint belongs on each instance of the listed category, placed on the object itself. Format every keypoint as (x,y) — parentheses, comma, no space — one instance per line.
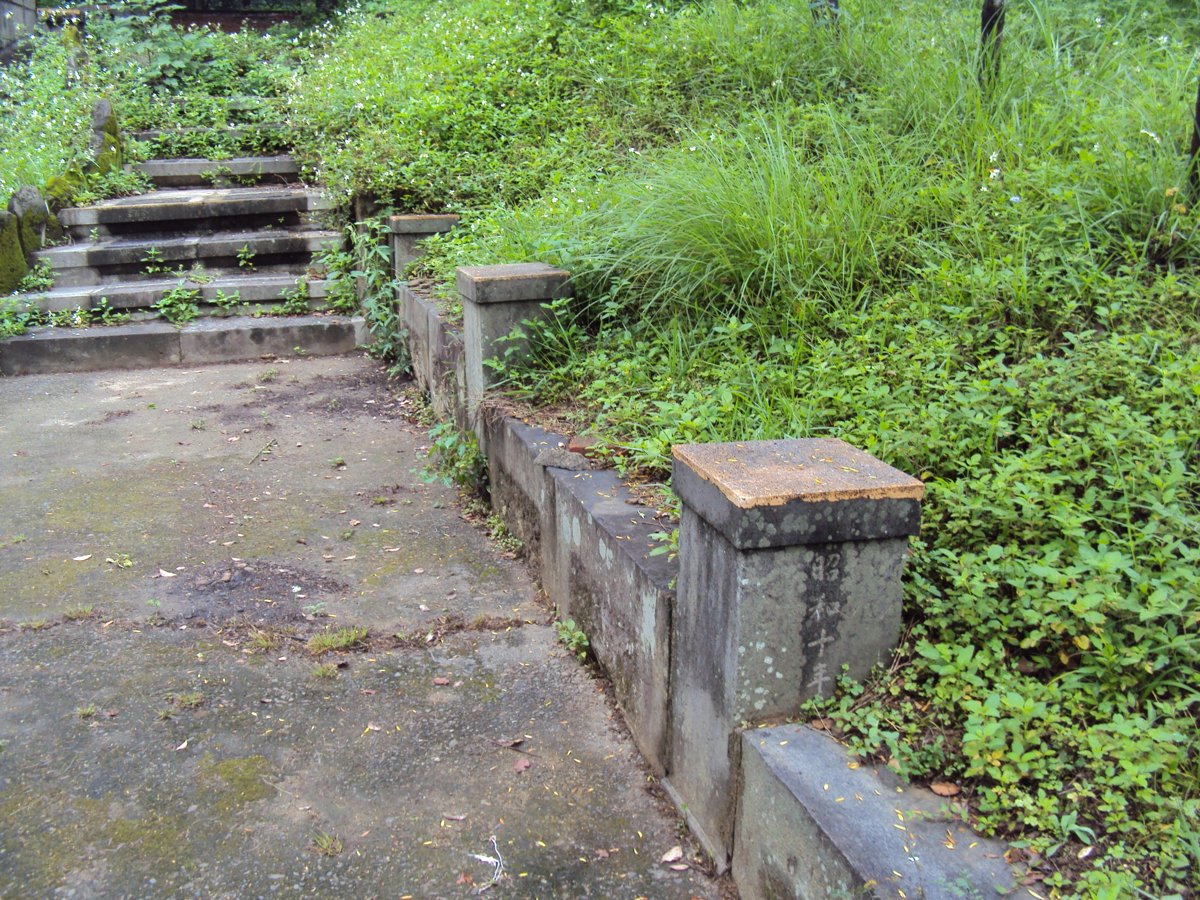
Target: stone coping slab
(813,821)
(763,494)
(423,223)
(512,283)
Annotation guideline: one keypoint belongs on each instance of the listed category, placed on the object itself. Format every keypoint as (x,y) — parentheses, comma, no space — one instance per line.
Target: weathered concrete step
(104,262)
(179,206)
(146,344)
(239,170)
(233,132)
(250,289)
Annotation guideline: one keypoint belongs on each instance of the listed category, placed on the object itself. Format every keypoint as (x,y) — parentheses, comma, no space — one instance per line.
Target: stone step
(157,343)
(116,259)
(242,170)
(143,294)
(190,209)
(237,133)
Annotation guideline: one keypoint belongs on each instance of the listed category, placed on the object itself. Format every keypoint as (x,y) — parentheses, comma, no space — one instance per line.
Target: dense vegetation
(160,76)
(782,227)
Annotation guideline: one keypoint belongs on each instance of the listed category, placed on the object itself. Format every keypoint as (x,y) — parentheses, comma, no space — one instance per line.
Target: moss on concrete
(232,783)
(33,215)
(12,257)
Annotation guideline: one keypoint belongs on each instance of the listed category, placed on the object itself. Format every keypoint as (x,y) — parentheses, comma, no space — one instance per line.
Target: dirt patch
(256,593)
(110,415)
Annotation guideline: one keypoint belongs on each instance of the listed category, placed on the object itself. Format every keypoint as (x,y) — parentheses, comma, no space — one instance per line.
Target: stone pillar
(496,300)
(408,230)
(790,556)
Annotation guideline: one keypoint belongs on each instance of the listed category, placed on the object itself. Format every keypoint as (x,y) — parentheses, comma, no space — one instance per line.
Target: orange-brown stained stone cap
(772,473)
(762,494)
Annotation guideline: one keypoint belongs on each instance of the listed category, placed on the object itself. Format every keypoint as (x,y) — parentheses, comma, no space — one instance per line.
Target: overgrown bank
(782,228)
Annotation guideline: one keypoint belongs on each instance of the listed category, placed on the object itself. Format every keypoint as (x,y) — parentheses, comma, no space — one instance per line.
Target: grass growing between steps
(834,232)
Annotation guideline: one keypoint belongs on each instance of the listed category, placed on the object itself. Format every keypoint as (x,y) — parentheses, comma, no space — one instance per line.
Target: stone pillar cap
(782,493)
(421,223)
(512,283)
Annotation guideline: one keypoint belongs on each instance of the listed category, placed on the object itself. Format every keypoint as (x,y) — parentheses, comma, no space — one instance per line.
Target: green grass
(333,639)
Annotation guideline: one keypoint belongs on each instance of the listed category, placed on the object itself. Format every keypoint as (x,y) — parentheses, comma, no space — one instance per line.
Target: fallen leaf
(945,788)
(83,558)
(681,867)
(182,746)
(601,854)
(440,681)
(522,764)
(824,724)
(673,855)
(464,878)
(455,818)
(354,523)
(513,744)
(418,571)
(163,573)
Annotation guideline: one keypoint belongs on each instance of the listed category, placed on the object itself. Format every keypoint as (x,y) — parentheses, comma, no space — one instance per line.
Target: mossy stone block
(61,188)
(107,148)
(13,266)
(28,205)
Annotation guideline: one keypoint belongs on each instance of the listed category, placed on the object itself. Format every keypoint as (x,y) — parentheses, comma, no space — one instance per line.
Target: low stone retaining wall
(789,567)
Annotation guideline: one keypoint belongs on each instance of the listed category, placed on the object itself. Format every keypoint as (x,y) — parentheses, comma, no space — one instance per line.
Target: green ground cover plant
(159,76)
(45,105)
(835,232)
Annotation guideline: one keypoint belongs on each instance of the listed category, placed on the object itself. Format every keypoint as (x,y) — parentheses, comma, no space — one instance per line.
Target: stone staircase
(227,239)
(257,241)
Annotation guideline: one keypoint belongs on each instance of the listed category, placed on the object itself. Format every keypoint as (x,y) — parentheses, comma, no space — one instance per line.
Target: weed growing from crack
(330,640)
(326,844)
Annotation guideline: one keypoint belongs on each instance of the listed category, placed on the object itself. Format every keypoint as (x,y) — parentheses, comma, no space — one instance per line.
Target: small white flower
(1154,137)
(993,156)
(994,174)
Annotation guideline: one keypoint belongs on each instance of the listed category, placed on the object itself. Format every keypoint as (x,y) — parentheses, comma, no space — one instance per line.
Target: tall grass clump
(995,291)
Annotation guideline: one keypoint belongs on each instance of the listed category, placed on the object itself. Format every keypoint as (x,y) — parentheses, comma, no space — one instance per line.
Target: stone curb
(157,343)
(814,822)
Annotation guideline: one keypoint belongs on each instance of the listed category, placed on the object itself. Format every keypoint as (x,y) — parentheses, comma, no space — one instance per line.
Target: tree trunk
(991,33)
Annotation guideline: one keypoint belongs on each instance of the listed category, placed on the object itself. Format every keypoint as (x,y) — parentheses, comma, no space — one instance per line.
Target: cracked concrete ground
(170,541)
